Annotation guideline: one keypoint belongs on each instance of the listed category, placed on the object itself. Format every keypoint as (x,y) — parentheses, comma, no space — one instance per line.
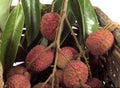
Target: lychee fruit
(17,81)
(48,25)
(82,86)
(95,83)
(38,60)
(19,70)
(99,42)
(75,73)
(39,85)
(58,77)
(70,54)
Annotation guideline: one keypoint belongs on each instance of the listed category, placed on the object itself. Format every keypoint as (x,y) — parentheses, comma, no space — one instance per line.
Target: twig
(53,5)
(59,32)
(79,46)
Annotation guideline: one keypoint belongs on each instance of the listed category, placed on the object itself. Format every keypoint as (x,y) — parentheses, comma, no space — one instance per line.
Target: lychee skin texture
(48,26)
(70,76)
(19,70)
(58,77)
(95,83)
(37,60)
(17,81)
(69,52)
(39,85)
(99,42)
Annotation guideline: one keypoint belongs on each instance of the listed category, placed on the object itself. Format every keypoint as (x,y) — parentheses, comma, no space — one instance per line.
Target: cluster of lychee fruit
(71,71)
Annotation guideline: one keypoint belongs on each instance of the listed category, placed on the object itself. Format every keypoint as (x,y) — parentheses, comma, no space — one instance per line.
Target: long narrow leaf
(89,18)
(4,12)
(85,16)
(11,37)
(32,19)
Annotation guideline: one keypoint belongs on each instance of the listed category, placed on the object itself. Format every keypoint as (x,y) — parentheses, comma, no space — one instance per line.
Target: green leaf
(32,19)
(11,37)
(4,12)
(58,5)
(66,30)
(85,16)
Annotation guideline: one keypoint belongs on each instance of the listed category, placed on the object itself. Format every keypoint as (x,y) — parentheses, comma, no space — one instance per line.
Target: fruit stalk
(79,47)
(1,76)
(58,36)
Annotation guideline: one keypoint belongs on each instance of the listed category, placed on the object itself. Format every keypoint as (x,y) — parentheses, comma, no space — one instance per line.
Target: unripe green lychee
(48,25)
(75,73)
(69,52)
(19,70)
(99,42)
(38,60)
(17,81)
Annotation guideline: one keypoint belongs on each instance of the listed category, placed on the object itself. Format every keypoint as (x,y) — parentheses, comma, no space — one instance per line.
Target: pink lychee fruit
(17,81)
(19,70)
(70,54)
(82,86)
(39,85)
(95,83)
(75,73)
(38,60)
(48,25)
(99,42)
(58,77)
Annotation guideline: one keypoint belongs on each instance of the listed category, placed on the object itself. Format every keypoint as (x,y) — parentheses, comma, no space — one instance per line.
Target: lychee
(75,73)
(82,86)
(19,70)
(17,81)
(58,77)
(48,26)
(38,60)
(95,83)
(39,85)
(70,54)
(99,42)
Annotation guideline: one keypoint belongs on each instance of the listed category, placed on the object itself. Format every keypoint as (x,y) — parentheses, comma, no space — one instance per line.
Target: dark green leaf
(32,19)
(11,37)
(89,18)
(85,16)
(66,30)
(4,12)
(58,5)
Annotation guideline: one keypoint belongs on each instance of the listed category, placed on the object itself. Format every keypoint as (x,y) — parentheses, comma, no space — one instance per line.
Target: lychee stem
(53,5)
(59,32)
(57,39)
(79,47)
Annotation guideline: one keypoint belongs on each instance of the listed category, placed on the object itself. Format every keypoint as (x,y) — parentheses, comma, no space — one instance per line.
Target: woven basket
(109,65)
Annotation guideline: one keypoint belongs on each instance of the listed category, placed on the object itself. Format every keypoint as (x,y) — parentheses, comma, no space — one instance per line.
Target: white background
(110,7)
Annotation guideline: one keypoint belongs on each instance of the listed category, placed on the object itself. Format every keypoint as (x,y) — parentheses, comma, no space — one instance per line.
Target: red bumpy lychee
(38,60)
(95,83)
(19,70)
(17,81)
(58,77)
(75,74)
(48,26)
(39,85)
(99,42)
(70,54)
